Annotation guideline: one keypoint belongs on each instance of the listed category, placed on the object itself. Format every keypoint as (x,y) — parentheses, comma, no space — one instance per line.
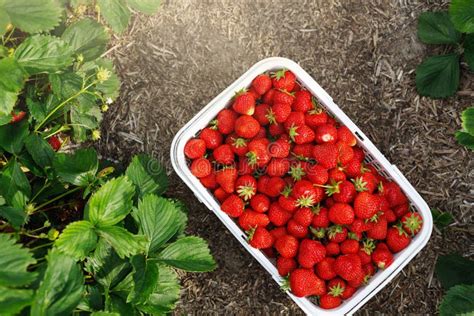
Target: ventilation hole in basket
(360,137)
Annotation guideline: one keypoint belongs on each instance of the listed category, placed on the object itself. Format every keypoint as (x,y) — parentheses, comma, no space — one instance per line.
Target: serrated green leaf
(12,301)
(10,84)
(14,185)
(33,16)
(145,6)
(145,277)
(115,13)
(77,240)
(43,53)
(441,219)
(469,50)
(148,175)
(82,122)
(462,15)
(437,28)
(111,203)
(116,304)
(15,216)
(86,37)
(92,299)
(467,118)
(459,300)
(158,220)
(110,87)
(453,269)
(124,243)
(438,76)
(12,136)
(78,168)
(61,288)
(189,254)
(14,262)
(4,21)
(166,293)
(66,84)
(40,151)
(465,139)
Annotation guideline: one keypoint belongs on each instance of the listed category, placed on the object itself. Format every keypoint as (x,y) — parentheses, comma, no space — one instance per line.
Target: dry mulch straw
(363,53)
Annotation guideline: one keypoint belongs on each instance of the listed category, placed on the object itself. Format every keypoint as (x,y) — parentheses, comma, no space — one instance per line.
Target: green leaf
(116,13)
(4,20)
(14,185)
(14,262)
(12,301)
(145,6)
(76,3)
(462,15)
(66,84)
(157,219)
(148,175)
(33,16)
(145,277)
(467,118)
(465,139)
(109,88)
(469,50)
(437,28)
(111,203)
(124,243)
(188,253)
(12,136)
(103,313)
(61,288)
(78,168)
(459,300)
(166,293)
(117,304)
(438,76)
(10,84)
(15,216)
(441,219)
(453,269)
(92,299)
(86,37)
(40,151)
(77,240)
(43,53)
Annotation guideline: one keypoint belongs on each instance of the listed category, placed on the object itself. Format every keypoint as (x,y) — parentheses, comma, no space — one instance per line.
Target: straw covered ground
(363,53)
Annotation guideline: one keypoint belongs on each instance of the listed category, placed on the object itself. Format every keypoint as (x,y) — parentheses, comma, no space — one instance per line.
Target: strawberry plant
(466,135)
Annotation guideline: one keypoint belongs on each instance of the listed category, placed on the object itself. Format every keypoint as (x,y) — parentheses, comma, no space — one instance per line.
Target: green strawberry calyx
(285,284)
(306,200)
(412,223)
(246,191)
(319,233)
(360,184)
(297,172)
(271,116)
(279,74)
(336,290)
(368,246)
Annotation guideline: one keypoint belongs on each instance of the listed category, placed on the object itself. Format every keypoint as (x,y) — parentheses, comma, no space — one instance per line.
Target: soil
(364,53)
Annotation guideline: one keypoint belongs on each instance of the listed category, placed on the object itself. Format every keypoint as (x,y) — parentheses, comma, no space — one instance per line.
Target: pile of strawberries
(296,182)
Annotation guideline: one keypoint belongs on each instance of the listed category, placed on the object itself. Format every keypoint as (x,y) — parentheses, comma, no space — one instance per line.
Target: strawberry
(306,194)
(325,133)
(348,267)
(233,206)
(226,178)
(392,192)
(325,269)
(209,182)
(194,148)
(262,83)
(382,258)
(303,216)
(412,223)
(297,170)
(365,182)
(220,194)
(317,174)
(359,154)
(278,232)
(329,301)
(359,279)
(262,133)
(378,230)
(332,248)
(294,119)
(268,97)
(301,134)
(336,282)
(397,239)
(260,238)
(211,137)
(226,121)
(315,117)
(284,79)
(359,226)
(262,114)
(280,148)
(354,168)
(244,103)
(246,126)
(251,219)
(303,152)
(303,282)
(269,252)
(286,201)
(244,166)
(280,111)
(238,144)
(346,192)
(321,217)
(223,154)
(326,155)
(258,154)
(277,215)
(278,167)
(303,101)
(389,216)
(336,175)
(275,186)
(329,202)
(201,167)
(349,246)
(262,184)
(285,265)
(55,144)
(337,233)
(345,135)
(364,256)
(17,117)
(246,187)
(366,205)
(345,153)
(382,246)
(260,203)
(369,271)
(296,229)
(341,214)
(348,292)
(283,97)
(287,246)
(401,209)
(276,129)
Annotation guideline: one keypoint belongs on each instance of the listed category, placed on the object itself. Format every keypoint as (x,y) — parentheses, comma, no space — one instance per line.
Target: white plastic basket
(373,155)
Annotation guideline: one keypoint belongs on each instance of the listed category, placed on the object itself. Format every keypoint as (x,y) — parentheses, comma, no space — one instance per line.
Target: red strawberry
(283,97)
(251,219)
(285,265)
(296,229)
(223,154)
(254,93)
(341,214)
(303,282)
(287,246)
(301,134)
(260,203)
(260,238)
(345,135)
(244,103)
(326,155)
(329,301)
(55,144)
(201,167)
(345,153)
(258,154)
(303,216)
(17,117)
(245,167)
(275,186)
(401,210)
(278,167)
(246,187)
(378,230)
(366,205)
(315,117)
(382,246)
(233,206)
(226,178)
(332,249)
(303,152)
(220,194)
(359,279)
(262,133)
(281,111)
(276,129)
(262,184)
(294,119)
(369,271)
(325,133)
(262,83)
(325,269)
(389,215)
(238,144)
(195,148)
(211,137)
(337,233)
(412,223)
(321,217)
(280,148)
(278,232)
(392,192)
(268,97)
(278,216)
(336,175)
(284,79)
(209,182)
(382,258)
(317,174)
(262,114)
(286,201)
(303,101)
(354,168)
(269,252)
(366,182)
(349,246)
(246,126)
(226,121)
(346,192)
(359,226)
(306,194)
(397,239)
(359,154)
(348,292)
(348,267)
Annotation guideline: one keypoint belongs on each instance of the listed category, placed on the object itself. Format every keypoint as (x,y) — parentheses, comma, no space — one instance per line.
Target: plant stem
(46,184)
(42,246)
(55,199)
